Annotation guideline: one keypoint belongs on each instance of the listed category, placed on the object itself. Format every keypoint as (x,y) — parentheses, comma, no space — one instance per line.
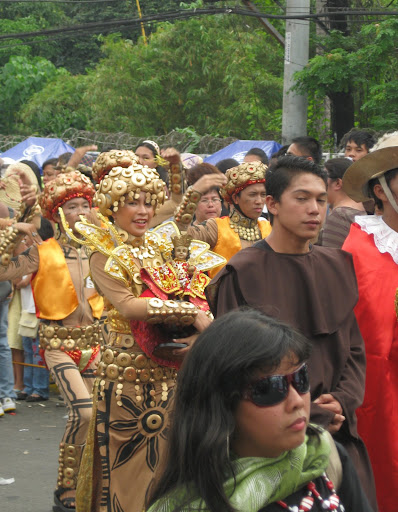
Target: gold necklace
(247,229)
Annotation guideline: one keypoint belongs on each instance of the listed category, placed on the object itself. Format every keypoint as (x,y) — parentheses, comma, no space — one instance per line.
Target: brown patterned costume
(134,388)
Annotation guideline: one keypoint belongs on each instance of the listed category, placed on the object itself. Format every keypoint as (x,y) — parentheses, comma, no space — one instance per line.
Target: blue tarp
(38,150)
(239,148)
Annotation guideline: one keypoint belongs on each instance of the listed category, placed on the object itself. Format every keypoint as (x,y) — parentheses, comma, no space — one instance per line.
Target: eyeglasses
(274,389)
(213,200)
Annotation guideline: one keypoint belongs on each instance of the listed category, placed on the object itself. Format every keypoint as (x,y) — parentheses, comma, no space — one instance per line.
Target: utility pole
(142,25)
(294,116)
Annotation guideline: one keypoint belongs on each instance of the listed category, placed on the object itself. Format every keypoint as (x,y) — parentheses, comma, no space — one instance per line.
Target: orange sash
(228,241)
(53,290)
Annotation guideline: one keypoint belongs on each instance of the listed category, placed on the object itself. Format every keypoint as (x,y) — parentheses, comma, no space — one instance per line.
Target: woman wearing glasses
(240,438)
(210,203)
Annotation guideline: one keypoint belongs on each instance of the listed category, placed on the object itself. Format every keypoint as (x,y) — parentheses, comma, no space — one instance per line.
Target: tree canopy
(216,74)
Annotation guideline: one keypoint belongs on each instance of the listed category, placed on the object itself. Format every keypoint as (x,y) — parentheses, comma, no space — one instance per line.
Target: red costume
(374,247)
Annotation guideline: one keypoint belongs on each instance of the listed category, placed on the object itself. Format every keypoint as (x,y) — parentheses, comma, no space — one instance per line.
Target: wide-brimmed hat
(10,195)
(373,165)
(16,167)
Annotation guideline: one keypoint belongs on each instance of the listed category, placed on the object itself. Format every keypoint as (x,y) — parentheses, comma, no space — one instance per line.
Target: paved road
(29,443)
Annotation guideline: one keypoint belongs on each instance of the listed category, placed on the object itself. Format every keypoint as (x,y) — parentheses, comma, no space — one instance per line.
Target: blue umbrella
(38,150)
(239,148)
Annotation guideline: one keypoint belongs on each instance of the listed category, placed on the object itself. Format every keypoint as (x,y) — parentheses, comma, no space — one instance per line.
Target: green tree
(20,78)
(28,17)
(218,74)
(365,64)
(56,107)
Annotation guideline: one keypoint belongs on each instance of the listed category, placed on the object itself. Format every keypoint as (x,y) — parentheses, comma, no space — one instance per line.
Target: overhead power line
(184,14)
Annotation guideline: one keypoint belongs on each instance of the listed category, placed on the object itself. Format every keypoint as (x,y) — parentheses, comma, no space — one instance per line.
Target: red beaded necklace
(306,504)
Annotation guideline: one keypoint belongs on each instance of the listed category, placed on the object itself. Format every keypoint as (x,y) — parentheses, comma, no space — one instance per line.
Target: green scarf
(260,481)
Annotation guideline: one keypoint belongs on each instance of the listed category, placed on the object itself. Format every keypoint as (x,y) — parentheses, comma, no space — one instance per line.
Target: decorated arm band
(185,211)
(8,241)
(170,312)
(176,178)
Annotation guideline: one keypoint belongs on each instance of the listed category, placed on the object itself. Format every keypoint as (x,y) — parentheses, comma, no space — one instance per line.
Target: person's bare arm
(79,153)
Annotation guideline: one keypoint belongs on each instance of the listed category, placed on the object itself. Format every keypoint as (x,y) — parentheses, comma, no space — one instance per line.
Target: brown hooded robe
(315,293)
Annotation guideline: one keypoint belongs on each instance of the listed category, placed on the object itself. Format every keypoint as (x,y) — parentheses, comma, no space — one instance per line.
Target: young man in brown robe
(311,288)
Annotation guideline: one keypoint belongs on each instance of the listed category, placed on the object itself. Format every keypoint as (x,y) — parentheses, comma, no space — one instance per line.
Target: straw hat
(373,165)
(17,167)
(11,195)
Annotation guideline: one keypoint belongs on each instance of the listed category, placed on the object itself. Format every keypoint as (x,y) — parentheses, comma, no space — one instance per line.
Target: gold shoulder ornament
(200,254)
(122,257)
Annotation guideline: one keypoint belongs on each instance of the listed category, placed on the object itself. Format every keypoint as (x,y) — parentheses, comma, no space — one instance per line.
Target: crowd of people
(224,337)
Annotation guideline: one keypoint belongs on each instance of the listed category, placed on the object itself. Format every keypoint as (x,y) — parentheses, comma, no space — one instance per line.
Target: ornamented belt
(58,337)
(121,366)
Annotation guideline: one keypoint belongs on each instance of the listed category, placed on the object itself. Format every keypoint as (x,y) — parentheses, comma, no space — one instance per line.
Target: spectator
(36,380)
(307,147)
(240,438)
(357,144)
(344,209)
(227,163)
(256,155)
(50,172)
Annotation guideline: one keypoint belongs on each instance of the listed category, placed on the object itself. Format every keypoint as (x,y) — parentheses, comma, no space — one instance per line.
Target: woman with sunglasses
(240,438)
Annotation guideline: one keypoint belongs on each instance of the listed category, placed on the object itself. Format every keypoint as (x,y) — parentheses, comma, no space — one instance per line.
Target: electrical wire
(184,14)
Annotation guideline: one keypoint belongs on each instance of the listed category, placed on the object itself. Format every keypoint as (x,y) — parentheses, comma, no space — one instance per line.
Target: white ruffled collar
(386,239)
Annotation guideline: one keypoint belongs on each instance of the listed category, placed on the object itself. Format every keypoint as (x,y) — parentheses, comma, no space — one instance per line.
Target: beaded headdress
(64,187)
(152,143)
(240,177)
(181,241)
(121,178)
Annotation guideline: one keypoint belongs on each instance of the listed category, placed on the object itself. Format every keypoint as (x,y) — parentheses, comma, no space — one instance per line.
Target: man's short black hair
(283,170)
(310,147)
(336,167)
(50,161)
(389,176)
(359,137)
(227,163)
(260,153)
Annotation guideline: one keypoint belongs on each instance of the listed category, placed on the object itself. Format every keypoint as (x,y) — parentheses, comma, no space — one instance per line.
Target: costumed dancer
(373,243)
(245,192)
(69,308)
(135,387)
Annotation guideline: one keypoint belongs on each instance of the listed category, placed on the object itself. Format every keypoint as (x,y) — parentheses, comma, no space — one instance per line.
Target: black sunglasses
(274,389)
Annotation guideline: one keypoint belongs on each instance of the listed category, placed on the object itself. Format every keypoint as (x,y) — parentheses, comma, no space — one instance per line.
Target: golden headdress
(181,241)
(240,177)
(121,177)
(64,187)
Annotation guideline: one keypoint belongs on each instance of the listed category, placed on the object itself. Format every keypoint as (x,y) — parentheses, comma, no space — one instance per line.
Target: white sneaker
(8,404)
(1,410)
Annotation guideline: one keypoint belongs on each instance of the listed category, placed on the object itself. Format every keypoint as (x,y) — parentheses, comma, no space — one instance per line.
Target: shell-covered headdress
(120,177)
(64,187)
(240,177)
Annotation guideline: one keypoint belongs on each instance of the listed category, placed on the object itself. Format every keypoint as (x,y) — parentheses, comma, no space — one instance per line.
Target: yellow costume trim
(228,242)
(53,290)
